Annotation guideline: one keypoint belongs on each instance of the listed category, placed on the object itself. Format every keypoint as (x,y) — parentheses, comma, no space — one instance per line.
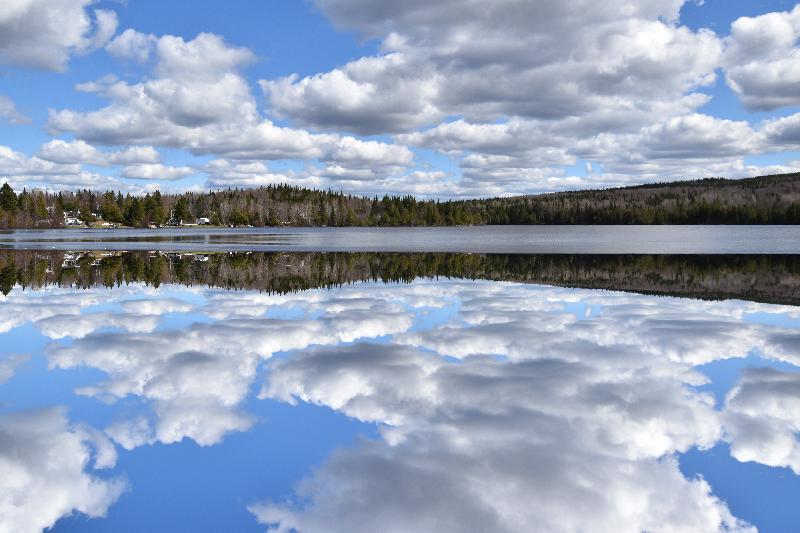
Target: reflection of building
(203,221)
(70,260)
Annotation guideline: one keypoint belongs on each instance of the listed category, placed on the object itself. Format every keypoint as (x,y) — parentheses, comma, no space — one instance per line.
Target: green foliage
(765,200)
(8,199)
(238,218)
(181,209)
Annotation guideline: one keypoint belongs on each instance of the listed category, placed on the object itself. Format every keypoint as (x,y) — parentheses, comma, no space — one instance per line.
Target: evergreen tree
(8,198)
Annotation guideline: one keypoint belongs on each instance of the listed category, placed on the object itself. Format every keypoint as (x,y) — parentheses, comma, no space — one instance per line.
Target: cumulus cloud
(199,101)
(620,91)
(46,463)
(81,152)
(132,45)
(44,33)
(616,85)
(473,60)
(8,111)
(687,145)
(23,171)
(367,96)
(783,132)
(156,171)
(520,156)
(762,58)
(223,173)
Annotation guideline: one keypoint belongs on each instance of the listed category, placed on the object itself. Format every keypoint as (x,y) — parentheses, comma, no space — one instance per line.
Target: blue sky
(445,99)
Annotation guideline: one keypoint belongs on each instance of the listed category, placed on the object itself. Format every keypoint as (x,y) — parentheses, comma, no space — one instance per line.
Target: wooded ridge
(761,200)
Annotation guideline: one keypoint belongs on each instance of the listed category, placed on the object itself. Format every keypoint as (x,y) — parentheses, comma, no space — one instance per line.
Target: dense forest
(764,278)
(762,200)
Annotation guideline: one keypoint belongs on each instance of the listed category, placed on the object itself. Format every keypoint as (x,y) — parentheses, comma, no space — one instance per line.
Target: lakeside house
(71,219)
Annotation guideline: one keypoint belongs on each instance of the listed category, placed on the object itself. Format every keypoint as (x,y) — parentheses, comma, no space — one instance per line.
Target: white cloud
(369,95)
(44,461)
(513,94)
(472,60)
(44,33)
(156,171)
(8,111)
(783,132)
(198,100)
(693,145)
(58,165)
(196,83)
(223,173)
(762,60)
(613,83)
(132,45)
(81,152)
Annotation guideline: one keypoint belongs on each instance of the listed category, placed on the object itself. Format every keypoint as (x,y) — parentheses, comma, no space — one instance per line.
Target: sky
(446,99)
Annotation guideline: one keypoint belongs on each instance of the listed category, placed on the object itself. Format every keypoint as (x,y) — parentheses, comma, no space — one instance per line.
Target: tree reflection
(763,278)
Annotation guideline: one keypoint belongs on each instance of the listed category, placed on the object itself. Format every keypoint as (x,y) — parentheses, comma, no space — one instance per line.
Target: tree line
(763,200)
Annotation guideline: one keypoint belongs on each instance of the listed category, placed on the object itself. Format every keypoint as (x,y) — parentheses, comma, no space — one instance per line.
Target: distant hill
(761,200)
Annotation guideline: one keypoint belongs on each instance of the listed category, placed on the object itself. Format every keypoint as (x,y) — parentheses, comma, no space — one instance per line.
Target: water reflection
(766,278)
(498,405)
(47,466)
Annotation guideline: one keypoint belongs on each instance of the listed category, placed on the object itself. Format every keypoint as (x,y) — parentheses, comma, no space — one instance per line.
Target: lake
(476,239)
(187,384)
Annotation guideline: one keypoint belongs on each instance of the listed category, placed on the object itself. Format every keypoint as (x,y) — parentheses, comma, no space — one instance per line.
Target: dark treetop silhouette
(764,278)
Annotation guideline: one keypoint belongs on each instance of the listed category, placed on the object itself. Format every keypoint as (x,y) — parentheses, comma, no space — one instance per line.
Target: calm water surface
(430,392)
(477,239)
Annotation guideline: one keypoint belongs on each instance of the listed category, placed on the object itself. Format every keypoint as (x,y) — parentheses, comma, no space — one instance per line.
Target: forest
(761,200)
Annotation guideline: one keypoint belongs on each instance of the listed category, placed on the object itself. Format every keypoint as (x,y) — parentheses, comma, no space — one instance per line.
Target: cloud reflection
(44,461)
(499,405)
(763,418)
(575,427)
(197,376)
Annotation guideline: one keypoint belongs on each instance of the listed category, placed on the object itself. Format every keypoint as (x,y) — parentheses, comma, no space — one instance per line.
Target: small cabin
(71,219)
